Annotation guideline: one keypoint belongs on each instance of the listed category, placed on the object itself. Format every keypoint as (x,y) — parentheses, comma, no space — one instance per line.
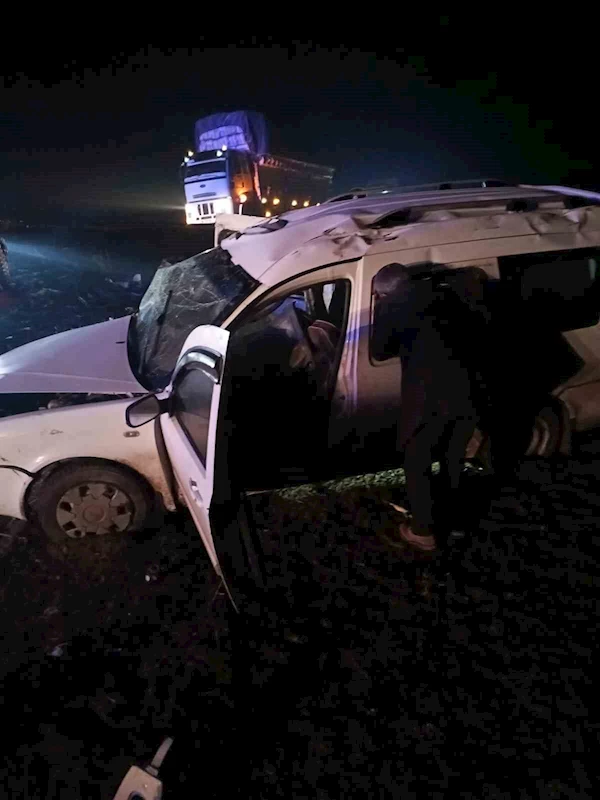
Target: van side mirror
(144,410)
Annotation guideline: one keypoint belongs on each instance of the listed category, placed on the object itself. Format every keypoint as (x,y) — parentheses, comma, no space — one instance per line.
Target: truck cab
(216,182)
(230,172)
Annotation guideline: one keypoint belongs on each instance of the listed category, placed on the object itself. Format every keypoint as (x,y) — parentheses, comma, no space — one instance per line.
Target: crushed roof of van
(346,229)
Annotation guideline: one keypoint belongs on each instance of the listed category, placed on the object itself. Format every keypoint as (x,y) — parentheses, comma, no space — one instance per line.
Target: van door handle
(195,491)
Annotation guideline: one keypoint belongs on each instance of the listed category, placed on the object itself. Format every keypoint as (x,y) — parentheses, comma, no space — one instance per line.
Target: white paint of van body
(92,359)
(36,440)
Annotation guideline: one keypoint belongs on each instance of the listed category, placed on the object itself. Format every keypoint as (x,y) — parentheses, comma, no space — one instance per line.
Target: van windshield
(202,290)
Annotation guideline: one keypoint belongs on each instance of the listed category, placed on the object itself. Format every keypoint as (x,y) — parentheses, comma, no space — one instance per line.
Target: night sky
(106,132)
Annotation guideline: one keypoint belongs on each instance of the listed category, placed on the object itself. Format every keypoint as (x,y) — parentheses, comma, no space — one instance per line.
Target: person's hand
(301,356)
(321,349)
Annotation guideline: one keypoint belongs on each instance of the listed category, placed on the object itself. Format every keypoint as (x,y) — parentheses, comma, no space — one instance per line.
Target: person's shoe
(404,511)
(424,543)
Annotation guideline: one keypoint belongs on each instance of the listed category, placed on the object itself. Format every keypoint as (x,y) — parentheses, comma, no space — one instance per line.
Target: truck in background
(230,172)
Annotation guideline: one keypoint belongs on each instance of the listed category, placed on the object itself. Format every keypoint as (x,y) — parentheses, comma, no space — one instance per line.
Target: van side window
(284,361)
(192,400)
(308,326)
(558,288)
(400,296)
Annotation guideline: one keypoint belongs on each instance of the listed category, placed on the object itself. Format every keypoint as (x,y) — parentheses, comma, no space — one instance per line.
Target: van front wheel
(79,500)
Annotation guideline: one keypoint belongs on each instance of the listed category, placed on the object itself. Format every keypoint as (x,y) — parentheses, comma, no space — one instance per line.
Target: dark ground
(384,677)
(380,681)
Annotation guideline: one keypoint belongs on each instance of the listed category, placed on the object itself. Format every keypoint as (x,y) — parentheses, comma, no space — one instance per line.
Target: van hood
(92,359)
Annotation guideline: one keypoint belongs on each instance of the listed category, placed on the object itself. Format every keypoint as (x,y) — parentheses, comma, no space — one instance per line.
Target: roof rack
(529,200)
(366,191)
(360,192)
(567,191)
(480,183)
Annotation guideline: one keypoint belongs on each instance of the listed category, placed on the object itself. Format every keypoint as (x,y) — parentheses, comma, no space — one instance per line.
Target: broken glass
(202,290)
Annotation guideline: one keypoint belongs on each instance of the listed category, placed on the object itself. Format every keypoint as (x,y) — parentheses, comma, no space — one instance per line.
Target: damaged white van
(76,468)
(288,389)
(287,298)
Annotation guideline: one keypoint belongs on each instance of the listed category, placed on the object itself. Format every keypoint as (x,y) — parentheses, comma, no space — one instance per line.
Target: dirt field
(370,671)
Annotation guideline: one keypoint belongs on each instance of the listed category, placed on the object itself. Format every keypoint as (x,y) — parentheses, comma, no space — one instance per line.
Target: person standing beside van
(424,320)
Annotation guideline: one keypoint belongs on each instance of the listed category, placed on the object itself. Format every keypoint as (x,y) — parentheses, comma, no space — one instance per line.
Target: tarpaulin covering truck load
(230,172)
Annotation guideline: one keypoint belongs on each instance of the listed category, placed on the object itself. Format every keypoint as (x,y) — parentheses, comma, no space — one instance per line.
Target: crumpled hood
(89,359)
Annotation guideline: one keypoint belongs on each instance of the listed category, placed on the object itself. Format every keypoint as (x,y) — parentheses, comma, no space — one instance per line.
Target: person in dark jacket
(434,329)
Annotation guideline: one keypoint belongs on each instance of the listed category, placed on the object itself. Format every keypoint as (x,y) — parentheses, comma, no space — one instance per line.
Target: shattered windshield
(202,290)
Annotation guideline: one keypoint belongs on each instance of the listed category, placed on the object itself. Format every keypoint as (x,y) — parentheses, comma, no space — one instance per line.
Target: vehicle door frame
(231,544)
(232,530)
(202,475)
(347,269)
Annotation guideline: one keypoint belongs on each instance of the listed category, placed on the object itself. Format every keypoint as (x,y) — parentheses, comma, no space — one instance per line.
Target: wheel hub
(94,509)
(94,514)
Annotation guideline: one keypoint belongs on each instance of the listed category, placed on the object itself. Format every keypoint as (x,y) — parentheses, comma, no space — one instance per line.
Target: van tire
(82,499)
(551,432)
(551,436)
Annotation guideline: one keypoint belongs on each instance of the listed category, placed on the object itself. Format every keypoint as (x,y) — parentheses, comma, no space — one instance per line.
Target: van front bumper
(13,487)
